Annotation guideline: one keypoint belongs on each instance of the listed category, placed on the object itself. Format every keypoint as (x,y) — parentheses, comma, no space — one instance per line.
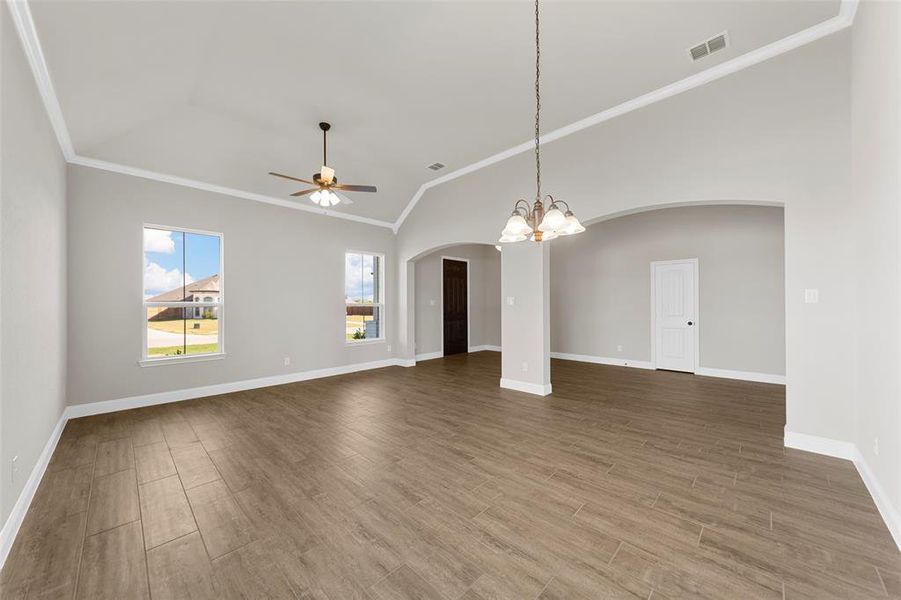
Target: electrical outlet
(525,367)
(876,446)
(13,469)
(287,361)
(619,348)
(389,347)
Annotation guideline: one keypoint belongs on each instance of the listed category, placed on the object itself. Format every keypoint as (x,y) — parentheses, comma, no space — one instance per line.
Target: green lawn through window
(180,350)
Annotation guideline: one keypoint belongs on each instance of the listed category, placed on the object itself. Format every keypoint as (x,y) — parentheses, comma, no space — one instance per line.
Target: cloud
(158,280)
(358,278)
(158,240)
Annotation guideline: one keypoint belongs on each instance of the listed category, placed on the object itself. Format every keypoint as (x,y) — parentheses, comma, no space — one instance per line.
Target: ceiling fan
(325,194)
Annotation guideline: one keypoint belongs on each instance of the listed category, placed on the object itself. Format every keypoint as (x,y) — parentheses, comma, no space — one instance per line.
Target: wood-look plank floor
(432,482)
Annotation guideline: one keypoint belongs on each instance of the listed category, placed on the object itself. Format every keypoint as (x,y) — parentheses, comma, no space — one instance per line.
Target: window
(183,295)
(364,300)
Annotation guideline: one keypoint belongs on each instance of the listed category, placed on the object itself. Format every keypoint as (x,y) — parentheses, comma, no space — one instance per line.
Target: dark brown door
(456,336)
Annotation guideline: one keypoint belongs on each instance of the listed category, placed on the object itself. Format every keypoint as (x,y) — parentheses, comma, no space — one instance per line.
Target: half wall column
(525,318)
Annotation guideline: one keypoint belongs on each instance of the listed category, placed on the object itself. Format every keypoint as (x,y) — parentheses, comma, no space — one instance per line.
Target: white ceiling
(222,92)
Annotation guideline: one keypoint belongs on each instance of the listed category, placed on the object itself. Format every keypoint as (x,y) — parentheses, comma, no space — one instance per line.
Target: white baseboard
(11,527)
(820,445)
(529,388)
(405,362)
(484,347)
(96,408)
(603,360)
(17,515)
(889,512)
(440,354)
(643,364)
(743,375)
(849,451)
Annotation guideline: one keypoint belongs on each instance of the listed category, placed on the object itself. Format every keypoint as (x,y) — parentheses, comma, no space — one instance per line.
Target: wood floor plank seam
(140,511)
(84,533)
(193,516)
(411,483)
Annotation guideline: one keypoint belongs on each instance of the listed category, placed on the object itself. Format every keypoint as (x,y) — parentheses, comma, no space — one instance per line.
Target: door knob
(690,323)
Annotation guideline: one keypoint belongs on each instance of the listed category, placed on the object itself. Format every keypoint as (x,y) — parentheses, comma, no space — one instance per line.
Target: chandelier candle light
(532,221)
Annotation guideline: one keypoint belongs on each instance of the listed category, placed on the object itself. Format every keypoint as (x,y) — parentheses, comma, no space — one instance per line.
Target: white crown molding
(844,19)
(218,189)
(30,42)
(32,46)
(21,14)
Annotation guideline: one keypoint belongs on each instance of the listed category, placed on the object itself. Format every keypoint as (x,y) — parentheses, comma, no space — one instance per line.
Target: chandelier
(535,221)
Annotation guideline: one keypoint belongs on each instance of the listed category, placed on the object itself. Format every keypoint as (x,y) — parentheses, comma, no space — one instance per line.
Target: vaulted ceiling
(222,92)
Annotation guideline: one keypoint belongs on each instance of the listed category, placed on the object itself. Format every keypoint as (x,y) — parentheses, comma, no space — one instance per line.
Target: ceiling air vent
(714,44)
(436,166)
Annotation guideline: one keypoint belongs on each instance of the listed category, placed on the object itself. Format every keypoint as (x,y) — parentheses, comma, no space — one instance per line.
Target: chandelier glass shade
(532,221)
(541,226)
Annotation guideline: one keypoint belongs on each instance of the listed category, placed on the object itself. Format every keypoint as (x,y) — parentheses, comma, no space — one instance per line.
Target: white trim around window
(219,305)
(378,303)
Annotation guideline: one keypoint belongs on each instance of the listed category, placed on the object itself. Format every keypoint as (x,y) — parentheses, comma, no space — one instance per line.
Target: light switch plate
(811,296)
(511,300)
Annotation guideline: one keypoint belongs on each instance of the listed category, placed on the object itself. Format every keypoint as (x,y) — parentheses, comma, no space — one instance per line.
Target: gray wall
(284,286)
(32,271)
(600,285)
(876,179)
(776,132)
(484,296)
(525,318)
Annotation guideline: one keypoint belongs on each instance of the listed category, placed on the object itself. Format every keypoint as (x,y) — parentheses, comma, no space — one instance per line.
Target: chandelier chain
(537,107)
(536,221)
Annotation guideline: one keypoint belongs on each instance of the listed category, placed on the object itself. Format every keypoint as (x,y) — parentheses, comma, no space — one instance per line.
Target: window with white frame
(364,300)
(184,307)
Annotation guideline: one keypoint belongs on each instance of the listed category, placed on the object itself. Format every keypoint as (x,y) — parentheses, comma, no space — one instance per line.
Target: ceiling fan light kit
(324,194)
(532,221)
(326,174)
(325,198)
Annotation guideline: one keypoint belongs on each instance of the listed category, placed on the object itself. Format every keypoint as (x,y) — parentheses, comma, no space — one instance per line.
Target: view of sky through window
(360,275)
(173,259)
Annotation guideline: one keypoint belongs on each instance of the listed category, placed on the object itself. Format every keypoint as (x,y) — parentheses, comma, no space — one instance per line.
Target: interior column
(405,349)
(525,318)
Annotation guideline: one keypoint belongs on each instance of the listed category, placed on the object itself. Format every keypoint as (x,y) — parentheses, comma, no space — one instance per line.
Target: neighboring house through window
(364,301)
(183,294)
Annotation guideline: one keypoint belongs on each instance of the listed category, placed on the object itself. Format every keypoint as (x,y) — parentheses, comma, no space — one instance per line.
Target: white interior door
(675,314)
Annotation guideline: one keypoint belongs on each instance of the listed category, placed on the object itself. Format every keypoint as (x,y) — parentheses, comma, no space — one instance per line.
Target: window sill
(364,342)
(177,360)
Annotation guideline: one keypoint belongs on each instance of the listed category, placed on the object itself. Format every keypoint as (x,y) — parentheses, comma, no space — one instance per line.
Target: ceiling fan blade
(354,188)
(291,178)
(344,199)
(305,192)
